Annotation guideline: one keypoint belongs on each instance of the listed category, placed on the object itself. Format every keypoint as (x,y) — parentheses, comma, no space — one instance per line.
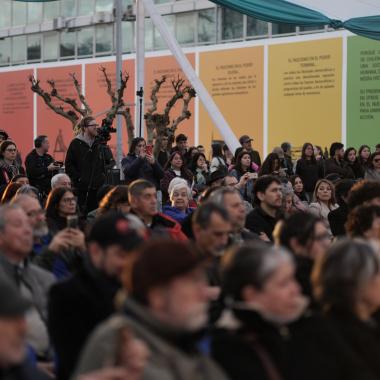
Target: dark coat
(139,168)
(357,169)
(310,172)
(255,155)
(259,221)
(37,171)
(6,175)
(307,349)
(75,307)
(332,166)
(337,220)
(24,371)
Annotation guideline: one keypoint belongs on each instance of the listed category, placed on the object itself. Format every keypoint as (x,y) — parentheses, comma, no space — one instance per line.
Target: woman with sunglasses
(373,171)
(9,166)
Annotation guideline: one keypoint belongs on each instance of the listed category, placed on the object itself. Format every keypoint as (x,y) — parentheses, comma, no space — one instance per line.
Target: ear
(96,254)
(260,195)
(249,293)
(155,299)
(133,201)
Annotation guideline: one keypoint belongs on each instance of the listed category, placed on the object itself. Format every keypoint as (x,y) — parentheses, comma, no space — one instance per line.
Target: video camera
(105,130)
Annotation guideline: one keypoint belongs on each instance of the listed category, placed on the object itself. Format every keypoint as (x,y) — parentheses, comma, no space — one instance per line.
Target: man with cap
(166,308)
(14,364)
(78,304)
(246,144)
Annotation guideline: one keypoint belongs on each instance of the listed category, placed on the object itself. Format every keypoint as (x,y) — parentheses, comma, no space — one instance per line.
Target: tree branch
(82,99)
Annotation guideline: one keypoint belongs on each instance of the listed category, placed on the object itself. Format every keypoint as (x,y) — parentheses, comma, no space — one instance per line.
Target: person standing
(246,145)
(87,161)
(335,164)
(40,166)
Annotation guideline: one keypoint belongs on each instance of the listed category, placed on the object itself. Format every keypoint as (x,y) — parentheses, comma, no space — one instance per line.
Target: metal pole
(140,67)
(119,67)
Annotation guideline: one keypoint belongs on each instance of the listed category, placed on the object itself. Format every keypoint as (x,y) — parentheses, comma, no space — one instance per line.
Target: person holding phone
(141,164)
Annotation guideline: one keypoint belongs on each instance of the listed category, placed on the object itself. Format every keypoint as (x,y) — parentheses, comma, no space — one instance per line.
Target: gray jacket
(165,362)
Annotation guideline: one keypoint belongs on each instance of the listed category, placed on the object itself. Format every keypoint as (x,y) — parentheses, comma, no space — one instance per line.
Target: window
(232,24)
(104,5)
(5,14)
(256,27)
(67,48)
(158,41)
(19,49)
(19,13)
(5,51)
(104,37)
(34,13)
(51,10)
(85,7)
(128,37)
(207,25)
(68,8)
(311,28)
(85,41)
(185,25)
(148,34)
(283,29)
(50,49)
(34,48)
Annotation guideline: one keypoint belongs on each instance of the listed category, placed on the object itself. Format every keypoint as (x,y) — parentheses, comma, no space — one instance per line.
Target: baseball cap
(12,304)
(114,229)
(244,139)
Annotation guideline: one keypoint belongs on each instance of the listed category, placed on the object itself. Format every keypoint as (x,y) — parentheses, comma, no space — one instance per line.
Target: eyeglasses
(69,200)
(11,150)
(325,236)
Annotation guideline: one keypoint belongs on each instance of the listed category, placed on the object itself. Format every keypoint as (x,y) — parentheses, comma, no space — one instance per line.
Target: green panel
(363,92)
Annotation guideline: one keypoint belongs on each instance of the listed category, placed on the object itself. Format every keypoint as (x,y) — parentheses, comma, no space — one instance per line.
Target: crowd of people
(196,267)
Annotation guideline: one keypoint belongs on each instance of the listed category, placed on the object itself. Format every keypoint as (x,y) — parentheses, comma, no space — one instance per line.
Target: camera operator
(87,161)
(40,166)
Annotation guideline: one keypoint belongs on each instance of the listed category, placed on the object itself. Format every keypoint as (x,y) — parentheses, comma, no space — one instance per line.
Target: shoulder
(42,275)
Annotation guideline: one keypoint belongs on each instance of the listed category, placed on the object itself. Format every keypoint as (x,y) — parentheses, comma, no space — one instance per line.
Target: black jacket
(337,220)
(255,155)
(332,166)
(75,307)
(24,371)
(259,221)
(310,172)
(139,168)
(37,171)
(87,166)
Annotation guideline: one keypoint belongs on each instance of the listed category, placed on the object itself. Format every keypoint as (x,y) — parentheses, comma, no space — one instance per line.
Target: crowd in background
(198,266)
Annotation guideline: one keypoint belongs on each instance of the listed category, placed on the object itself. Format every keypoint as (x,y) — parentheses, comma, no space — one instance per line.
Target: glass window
(283,29)
(19,49)
(51,10)
(104,5)
(232,24)
(19,13)
(50,49)
(103,38)
(34,48)
(5,14)
(207,25)
(311,28)
(34,13)
(185,25)
(148,34)
(256,27)
(158,41)
(67,44)
(5,51)
(128,37)
(85,7)
(85,41)
(68,8)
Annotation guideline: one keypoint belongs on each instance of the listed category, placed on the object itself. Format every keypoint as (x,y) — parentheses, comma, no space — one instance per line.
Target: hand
(61,241)
(150,158)
(205,168)
(77,239)
(53,167)
(264,237)
(243,181)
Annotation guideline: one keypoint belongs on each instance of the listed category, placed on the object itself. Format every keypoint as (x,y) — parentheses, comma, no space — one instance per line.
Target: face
(365,153)
(280,295)
(230,181)
(16,240)
(68,204)
(317,151)
(236,210)
(272,197)
(164,142)
(10,152)
(369,296)
(177,162)
(339,153)
(288,203)
(45,145)
(201,149)
(36,216)
(214,238)
(64,181)
(321,241)
(115,260)
(12,343)
(182,145)
(22,181)
(92,128)
(184,302)
(376,162)
(140,147)
(247,145)
(324,192)
(201,162)
(374,231)
(146,203)
(194,152)
(180,198)
(246,161)
(298,185)
(351,156)
(309,151)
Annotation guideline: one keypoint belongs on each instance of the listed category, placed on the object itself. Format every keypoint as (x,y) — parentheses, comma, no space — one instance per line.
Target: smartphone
(58,163)
(72,221)
(149,149)
(253,175)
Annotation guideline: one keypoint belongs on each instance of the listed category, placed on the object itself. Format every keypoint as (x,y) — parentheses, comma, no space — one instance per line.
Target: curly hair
(111,201)
(360,219)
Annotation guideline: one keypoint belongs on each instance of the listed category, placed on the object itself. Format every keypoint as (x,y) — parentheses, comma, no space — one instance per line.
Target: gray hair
(28,190)
(175,181)
(217,196)
(56,178)
(179,186)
